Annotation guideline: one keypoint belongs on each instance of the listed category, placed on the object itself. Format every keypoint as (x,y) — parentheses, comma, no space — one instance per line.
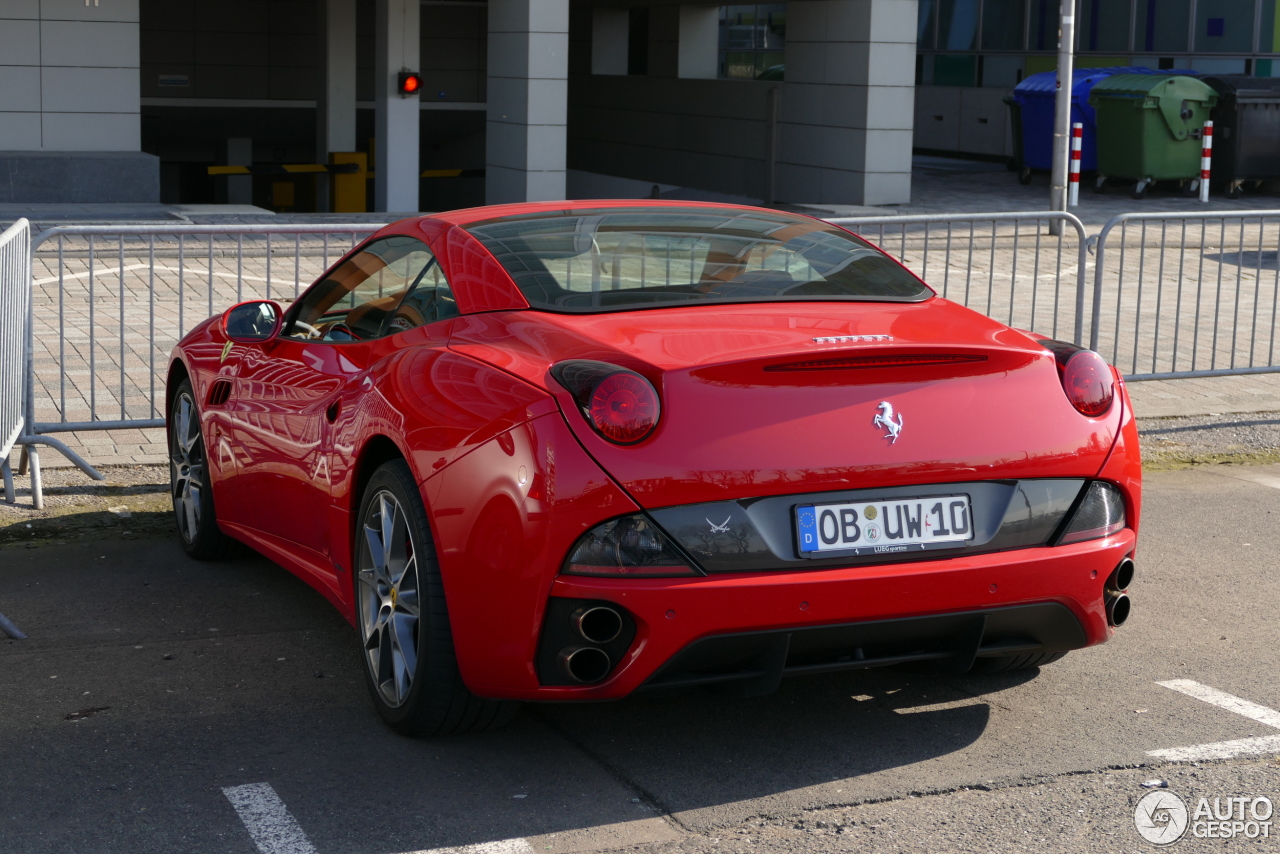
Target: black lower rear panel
(754,662)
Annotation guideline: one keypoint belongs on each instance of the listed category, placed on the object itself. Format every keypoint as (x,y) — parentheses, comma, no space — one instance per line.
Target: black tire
(194,513)
(1233,192)
(1100,186)
(1139,194)
(1191,188)
(1024,176)
(435,702)
(1007,663)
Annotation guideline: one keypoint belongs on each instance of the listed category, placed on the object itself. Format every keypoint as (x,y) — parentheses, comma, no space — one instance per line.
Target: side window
(374,293)
(430,300)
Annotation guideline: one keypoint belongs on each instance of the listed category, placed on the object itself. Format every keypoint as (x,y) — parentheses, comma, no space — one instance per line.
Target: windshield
(620,259)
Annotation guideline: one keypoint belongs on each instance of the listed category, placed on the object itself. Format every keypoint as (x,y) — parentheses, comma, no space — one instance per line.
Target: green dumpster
(1149,128)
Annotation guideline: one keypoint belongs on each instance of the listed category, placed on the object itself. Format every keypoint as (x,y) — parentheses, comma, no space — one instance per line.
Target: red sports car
(572,450)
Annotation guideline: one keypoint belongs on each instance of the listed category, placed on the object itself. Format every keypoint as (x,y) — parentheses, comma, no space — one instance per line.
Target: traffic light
(409,83)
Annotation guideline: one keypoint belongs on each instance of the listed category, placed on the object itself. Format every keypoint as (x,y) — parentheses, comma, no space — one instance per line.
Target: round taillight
(623,407)
(1088,382)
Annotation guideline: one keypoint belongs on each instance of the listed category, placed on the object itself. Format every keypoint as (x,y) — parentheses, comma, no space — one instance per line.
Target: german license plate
(883,527)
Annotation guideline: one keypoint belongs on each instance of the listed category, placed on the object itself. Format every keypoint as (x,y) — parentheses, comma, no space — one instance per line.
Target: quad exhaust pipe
(584,641)
(584,664)
(597,623)
(1116,600)
(1118,607)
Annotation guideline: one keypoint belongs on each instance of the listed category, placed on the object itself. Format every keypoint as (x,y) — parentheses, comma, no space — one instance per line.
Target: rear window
(621,259)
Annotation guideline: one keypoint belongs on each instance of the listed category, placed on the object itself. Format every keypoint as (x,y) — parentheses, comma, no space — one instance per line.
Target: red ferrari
(572,450)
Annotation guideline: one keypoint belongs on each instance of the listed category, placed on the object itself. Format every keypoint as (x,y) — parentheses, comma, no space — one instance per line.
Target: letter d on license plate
(883,527)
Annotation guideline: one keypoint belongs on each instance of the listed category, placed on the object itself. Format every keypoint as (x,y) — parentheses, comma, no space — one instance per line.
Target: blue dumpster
(1034,98)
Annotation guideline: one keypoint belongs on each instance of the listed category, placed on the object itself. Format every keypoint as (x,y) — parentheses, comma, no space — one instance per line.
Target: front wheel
(193,509)
(410,667)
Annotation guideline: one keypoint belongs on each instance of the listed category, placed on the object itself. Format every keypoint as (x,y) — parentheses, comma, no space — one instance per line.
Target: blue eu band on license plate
(884,527)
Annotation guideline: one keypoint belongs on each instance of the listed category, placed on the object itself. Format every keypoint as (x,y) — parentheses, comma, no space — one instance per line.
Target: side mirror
(253,322)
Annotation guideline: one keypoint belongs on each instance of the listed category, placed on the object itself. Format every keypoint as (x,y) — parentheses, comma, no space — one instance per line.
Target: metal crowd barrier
(15,249)
(1009,266)
(1173,295)
(1180,295)
(114,299)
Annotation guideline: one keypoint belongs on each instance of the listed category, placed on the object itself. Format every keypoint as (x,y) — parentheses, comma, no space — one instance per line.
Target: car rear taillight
(620,404)
(629,546)
(1086,377)
(1100,514)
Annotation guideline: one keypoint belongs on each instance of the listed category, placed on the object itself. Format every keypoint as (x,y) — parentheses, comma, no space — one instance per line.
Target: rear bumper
(980,601)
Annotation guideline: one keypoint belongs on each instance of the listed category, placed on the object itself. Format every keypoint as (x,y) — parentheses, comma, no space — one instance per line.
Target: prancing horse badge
(885,419)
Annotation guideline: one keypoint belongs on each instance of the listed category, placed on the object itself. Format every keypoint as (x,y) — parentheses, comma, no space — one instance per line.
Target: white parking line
(276,831)
(502,846)
(1264,480)
(267,819)
(1222,749)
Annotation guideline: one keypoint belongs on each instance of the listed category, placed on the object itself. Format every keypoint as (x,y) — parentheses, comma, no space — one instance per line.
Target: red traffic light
(409,82)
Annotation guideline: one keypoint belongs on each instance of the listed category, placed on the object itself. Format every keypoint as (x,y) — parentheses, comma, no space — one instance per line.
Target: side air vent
(220,392)
(896,360)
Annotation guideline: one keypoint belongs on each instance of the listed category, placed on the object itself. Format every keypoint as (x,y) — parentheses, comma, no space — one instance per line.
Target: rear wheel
(193,509)
(410,667)
(1007,663)
(1024,175)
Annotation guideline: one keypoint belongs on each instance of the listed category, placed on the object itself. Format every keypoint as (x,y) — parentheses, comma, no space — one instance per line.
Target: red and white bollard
(1073,187)
(1206,157)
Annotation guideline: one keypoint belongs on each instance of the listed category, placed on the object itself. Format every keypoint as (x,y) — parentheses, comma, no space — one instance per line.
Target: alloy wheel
(187,467)
(387,571)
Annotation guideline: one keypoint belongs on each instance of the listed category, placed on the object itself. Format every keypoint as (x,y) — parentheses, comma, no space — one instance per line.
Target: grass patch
(1154,461)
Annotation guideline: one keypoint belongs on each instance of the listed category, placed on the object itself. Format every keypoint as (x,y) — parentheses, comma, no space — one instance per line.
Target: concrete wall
(230,49)
(527,96)
(69,75)
(846,110)
(267,49)
(966,120)
(657,128)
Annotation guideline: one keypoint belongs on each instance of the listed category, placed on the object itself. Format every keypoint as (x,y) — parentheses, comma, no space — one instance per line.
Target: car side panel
(448,404)
(435,406)
(1124,466)
(504,517)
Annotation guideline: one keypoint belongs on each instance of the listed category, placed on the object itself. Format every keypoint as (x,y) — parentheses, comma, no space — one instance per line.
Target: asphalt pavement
(163,705)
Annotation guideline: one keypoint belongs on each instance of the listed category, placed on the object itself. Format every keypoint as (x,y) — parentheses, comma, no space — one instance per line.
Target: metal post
(7,627)
(7,472)
(1077,136)
(1206,161)
(37,486)
(1062,114)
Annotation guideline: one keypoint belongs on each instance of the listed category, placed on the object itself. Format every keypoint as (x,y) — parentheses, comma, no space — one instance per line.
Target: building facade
(813,101)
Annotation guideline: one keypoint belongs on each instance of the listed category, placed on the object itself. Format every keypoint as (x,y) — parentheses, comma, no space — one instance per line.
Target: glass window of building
(752,41)
(1225,26)
(925,24)
(1044,25)
(1269,35)
(1103,25)
(957,24)
(1002,24)
(1161,25)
